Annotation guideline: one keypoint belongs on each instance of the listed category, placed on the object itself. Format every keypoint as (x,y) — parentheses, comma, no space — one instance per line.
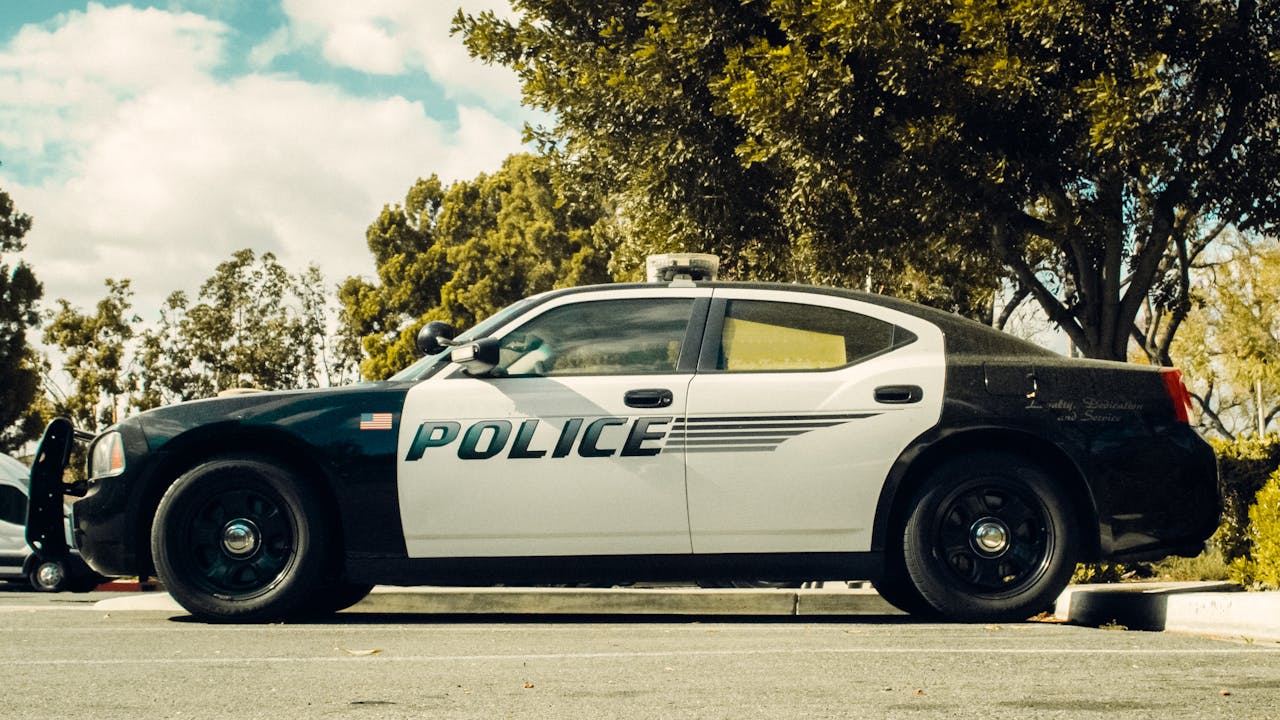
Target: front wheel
(240,540)
(990,537)
(49,576)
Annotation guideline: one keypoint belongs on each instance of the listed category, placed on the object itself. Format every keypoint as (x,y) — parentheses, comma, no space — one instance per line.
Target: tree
(463,252)
(253,325)
(1230,351)
(95,347)
(167,371)
(1094,149)
(19,366)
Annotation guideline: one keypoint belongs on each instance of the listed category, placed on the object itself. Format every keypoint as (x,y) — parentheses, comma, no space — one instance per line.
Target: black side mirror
(434,337)
(477,358)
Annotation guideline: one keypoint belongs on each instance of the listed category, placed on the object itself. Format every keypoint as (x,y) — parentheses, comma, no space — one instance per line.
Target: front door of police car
(562,449)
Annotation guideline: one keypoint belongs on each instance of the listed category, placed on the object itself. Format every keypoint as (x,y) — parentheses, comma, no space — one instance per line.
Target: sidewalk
(1216,609)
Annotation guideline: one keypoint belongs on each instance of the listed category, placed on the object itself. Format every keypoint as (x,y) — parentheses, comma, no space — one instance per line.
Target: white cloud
(394,36)
(55,81)
(167,169)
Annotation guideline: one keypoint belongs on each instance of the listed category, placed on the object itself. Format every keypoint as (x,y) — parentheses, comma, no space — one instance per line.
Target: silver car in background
(17,562)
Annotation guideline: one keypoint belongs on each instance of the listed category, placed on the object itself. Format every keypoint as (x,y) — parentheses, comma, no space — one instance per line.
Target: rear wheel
(898,591)
(990,536)
(240,540)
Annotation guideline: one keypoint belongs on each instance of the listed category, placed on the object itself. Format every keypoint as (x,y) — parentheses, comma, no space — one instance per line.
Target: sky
(151,140)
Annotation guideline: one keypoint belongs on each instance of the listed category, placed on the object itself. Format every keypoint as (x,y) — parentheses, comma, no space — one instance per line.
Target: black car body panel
(317,431)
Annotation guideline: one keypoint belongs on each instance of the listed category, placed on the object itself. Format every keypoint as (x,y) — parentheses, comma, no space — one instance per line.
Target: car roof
(14,471)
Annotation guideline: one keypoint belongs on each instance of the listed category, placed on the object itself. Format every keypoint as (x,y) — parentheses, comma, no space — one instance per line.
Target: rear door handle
(648,398)
(899,394)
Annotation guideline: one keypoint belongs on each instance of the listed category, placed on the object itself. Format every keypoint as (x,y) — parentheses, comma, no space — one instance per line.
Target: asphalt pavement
(1200,608)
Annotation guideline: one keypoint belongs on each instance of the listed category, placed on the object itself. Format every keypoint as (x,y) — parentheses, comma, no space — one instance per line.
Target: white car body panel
(816,492)
(570,505)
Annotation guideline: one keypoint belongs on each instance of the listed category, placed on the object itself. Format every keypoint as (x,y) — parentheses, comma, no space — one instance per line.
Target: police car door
(561,450)
(801,404)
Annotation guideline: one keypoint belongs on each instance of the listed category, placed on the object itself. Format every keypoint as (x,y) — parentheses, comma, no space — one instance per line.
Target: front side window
(13,505)
(602,337)
(761,336)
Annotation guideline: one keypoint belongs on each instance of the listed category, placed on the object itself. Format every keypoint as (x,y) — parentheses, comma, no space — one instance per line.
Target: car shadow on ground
(356,617)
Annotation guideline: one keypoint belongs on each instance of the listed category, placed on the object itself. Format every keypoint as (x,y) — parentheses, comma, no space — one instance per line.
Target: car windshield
(12,469)
(481,329)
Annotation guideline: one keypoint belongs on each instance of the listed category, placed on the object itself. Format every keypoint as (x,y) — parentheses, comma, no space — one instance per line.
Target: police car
(677,429)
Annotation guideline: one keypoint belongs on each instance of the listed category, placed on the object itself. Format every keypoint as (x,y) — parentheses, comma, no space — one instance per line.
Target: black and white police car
(680,429)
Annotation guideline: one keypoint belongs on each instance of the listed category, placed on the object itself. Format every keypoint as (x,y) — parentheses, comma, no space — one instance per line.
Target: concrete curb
(624,601)
(583,601)
(1216,609)
(1198,608)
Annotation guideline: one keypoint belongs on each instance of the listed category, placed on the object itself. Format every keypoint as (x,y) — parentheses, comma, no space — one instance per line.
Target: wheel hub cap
(49,574)
(240,538)
(990,537)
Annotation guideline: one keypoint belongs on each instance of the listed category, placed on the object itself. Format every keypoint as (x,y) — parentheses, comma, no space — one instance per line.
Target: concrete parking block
(1211,608)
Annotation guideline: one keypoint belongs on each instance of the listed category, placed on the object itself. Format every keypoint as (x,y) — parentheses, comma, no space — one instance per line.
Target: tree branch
(1022,293)
(1053,308)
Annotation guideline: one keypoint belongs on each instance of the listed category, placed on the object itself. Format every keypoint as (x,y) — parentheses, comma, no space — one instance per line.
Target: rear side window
(761,336)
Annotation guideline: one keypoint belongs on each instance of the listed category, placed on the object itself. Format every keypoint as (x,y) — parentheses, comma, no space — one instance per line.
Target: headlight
(107,456)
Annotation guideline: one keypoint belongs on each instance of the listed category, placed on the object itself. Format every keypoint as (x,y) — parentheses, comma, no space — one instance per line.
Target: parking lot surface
(63,658)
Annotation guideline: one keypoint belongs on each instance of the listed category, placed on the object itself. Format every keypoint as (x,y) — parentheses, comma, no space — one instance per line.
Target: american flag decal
(375,421)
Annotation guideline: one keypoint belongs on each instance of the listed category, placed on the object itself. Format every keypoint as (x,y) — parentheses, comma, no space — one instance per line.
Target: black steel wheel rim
(995,539)
(238,543)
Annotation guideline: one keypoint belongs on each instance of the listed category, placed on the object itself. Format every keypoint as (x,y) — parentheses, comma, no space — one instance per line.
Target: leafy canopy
(1230,350)
(1092,148)
(253,324)
(461,253)
(95,349)
(19,366)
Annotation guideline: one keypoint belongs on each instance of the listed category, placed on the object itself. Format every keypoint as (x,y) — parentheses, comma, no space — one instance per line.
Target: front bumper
(100,520)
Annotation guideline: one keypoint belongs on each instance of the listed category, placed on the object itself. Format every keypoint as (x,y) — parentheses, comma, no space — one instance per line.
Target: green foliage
(1208,565)
(1243,467)
(19,366)
(95,347)
(1260,568)
(166,371)
(253,325)
(1231,345)
(1099,573)
(461,253)
(1093,149)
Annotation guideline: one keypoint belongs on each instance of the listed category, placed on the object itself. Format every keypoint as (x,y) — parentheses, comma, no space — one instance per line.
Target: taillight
(1178,394)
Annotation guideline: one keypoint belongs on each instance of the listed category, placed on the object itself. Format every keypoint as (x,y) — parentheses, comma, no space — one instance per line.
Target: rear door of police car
(801,404)
(562,450)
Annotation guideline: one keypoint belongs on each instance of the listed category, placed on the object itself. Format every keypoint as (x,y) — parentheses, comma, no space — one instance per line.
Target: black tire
(49,576)
(240,540)
(990,537)
(336,597)
(900,592)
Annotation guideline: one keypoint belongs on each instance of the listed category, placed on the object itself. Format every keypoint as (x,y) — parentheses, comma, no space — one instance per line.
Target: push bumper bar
(46,530)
